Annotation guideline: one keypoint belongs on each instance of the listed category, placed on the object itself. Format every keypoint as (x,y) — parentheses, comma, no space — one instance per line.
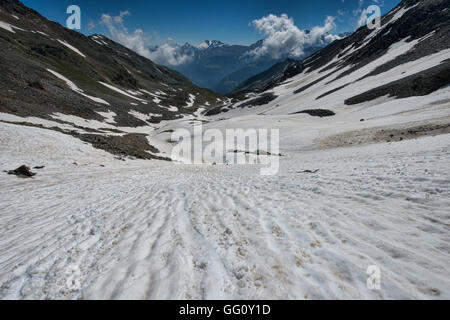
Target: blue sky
(196,20)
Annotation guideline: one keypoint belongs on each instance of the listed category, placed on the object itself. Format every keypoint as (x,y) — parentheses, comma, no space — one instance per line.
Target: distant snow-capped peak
(211,44)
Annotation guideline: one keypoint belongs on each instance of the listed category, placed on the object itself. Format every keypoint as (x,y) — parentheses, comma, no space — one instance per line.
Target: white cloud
(169,54)
(363,18)
(284,38)
(166,53)
(91,25)
(358,10)
(119,18)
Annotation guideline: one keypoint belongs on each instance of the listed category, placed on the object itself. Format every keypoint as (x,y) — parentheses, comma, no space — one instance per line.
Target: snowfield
(160,230)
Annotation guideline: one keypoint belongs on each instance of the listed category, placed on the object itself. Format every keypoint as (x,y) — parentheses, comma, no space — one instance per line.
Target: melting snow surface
(171,231)
(85,123)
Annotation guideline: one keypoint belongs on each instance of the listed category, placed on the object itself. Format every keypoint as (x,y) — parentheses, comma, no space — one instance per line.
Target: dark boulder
(317,113)
(22,171)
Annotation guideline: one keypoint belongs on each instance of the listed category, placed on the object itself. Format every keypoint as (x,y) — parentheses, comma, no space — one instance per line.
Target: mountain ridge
(53,73)
(222,67)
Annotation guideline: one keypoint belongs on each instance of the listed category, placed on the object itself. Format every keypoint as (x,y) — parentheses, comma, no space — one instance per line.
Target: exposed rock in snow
(22,171)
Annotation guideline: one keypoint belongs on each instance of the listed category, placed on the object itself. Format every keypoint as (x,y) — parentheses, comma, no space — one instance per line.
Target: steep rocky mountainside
(427,22)
(415,34)
(266,80)
(53,73)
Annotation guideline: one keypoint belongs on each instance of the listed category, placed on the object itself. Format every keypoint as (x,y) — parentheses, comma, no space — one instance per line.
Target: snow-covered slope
(373,80)
(155,230)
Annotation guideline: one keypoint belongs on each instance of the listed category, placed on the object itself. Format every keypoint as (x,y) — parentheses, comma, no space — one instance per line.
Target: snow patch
(38,121)
(82,122)
(76,89)
(172,109)
(42,33)
(294,237)
(71,48)
(191,101)
(142,116)
(135,93)
(9,27)
(109,116)
(400,12)
(121,91)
